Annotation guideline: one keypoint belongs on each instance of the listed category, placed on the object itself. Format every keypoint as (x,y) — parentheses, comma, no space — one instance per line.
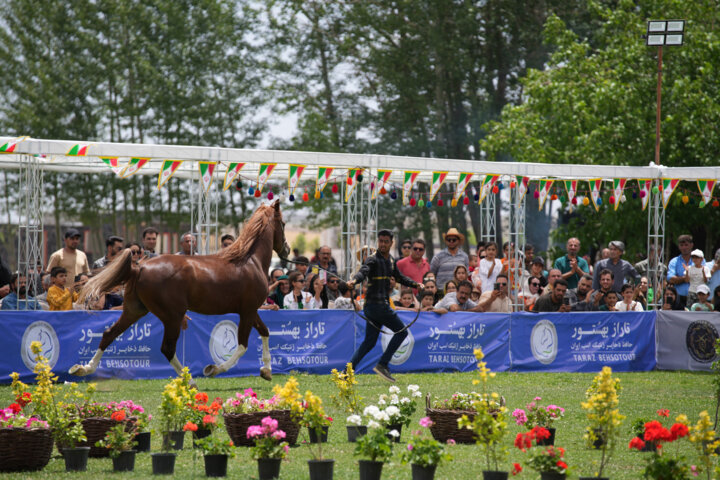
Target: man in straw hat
(443,264)
(378,269)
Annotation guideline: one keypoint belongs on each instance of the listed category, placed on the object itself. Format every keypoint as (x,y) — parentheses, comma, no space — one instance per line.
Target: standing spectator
(553,275)
(415,266)
(537,269)
(554,300)
(580,296)
(324,260)
(643,266)
(332,288)
(645,293)
(496,299)
(696,274)
(457,301)
(702,305)
(149,240)
(677,266)
(226,240)
(460,274)
(473,261)
(444,262)
(282,289)
(405,248)
(136,251)
(628,302)
(5,275)
(302,264)
(74,261)
(17,299)
(113,246)
(187,244)
(480,249)
(621,269)
(570,265)
(298,299)
(318,291)
(488,269)
(59,297)
(529,255)
(714,281)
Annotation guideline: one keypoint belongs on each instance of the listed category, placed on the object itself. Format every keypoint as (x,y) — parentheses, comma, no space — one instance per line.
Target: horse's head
(280,245)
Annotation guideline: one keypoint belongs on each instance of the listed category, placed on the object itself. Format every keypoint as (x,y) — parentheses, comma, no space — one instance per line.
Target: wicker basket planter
(445,425)
(24,449)
(95,429)
(237,424)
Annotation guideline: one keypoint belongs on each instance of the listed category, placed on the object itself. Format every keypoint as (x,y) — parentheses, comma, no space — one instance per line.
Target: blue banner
(566,342)
(443,343)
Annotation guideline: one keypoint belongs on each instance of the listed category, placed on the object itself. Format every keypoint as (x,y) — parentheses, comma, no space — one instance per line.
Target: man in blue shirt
(676,267)
(17,298)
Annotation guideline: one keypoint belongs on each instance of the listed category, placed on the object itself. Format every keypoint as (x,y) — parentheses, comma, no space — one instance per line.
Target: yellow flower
(36,347)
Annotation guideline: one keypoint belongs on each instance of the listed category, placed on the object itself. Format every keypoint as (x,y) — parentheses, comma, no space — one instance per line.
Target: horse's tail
(119,271)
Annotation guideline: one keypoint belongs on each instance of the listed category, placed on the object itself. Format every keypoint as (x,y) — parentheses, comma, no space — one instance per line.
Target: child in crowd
(60,297)
(697,274)
(427,300)
(407,300)
(345,301)
(450,286)
(628,303)
(611,299)
(702,305)
(460,274)
(473,262)
(488,269)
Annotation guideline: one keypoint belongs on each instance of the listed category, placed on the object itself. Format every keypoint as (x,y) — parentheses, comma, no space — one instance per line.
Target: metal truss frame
(30,221)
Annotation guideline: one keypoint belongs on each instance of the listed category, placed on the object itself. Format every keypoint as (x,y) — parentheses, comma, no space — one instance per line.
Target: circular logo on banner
(44,333)
(223,341)
(402,354)
(700,339)
(543,342)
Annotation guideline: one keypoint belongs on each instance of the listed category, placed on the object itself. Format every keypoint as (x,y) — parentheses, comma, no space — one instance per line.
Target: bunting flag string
(487,185)
(618,187)
(595,187)
(667,188)
(114,165)
(79,150)
(544,187)
(231,174)
(323,177)
(167,171)
(382,180)
(706,188)
(264,173)
(352,181)
(294,174)
(9,147)
(207,169)
(438,178)
(133,167)
(409,180)
(462,183)
(523,183)
(571,189)
(645,185)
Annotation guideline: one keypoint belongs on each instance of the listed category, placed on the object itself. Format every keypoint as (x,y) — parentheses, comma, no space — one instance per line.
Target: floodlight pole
(659,100)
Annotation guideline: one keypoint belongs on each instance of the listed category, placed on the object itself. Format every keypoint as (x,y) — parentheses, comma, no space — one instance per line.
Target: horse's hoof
(78,370)
(210,371)
(266,373)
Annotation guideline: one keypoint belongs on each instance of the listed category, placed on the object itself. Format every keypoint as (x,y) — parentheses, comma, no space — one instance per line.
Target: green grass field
(642,395)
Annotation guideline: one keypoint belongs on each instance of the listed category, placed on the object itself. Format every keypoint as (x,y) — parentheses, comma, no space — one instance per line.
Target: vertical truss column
(204,214)
(369,227)
(30,221)
(349,223)
(487,220)
(517,238)
(656,242)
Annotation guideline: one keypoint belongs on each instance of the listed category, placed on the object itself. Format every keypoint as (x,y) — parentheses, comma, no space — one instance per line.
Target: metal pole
(659,99)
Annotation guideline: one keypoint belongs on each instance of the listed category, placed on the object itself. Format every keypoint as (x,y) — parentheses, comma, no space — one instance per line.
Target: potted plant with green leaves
(204,414)
(424,453)
(120,443)
(348,399)
(270,447)
(68,432)
(603,416)
(173,412)
(216,452)
(375,448)
(538,415)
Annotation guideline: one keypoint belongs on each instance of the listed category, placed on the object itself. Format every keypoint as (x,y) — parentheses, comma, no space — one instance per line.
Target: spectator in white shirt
(629,302)
(488,269)
(696,274)
(298,299)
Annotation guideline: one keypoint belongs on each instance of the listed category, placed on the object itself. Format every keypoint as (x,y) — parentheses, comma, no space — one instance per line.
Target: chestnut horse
(231,281)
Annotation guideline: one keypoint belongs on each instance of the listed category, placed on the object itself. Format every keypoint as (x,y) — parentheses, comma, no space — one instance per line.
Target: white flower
(371,411)
(413,388)
(394,389)
(373,424)
(394,400)
(382,417)
(381,401)
(404,400)
(354,420)
(417,394)
(392,411)
(394,433)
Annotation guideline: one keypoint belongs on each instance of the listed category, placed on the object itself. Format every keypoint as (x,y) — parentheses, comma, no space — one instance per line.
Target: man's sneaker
(383,371)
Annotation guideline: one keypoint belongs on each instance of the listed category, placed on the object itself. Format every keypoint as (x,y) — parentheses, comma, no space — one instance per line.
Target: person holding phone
(554,300)
(495,299)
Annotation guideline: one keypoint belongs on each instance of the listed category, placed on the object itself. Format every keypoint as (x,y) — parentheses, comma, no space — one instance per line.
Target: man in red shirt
(415,266)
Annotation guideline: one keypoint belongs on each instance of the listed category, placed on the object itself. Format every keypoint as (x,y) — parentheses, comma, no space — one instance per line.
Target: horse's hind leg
(247,320)
(266,370)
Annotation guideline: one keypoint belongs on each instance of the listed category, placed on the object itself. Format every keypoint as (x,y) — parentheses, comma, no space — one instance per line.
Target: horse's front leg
(247,319)
(266,370)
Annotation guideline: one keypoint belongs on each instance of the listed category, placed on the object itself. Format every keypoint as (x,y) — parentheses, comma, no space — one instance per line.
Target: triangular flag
(323,177)
(167,170)
(571,189)
(382,179)
(294,173)
(487,186)
(231,174)
(408,181)
(206,174)
(352,181)
(133,166)
(79,150)
(667,188)
(618,187)
(114,165)
(438,178)
(462,183)
(9,147)
(645,185)
(706,190)
(522,185)
(264,173)
(544,187)
(595,187)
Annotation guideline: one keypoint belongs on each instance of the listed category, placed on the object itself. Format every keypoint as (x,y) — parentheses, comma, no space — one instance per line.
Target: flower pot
(548,441)
(552,476)
(143,441)
(216,465)
(163,463)
(200,433)
(420,472)
(370,470)
(354,432)
(269,468)
(323,436)
(494,475)
(321,469)
(390,428)
(76,458)
(650,446)
(599,439)
(125,462)
(174,440)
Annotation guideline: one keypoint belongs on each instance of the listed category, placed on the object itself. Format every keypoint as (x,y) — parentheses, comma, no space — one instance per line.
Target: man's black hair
(385,233)
(111,240)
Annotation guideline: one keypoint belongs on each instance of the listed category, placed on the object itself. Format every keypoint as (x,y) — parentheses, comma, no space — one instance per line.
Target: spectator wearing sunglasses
(531,292)
(443,263)
(332,288)
(405,248)
(136,252)
(496,300)
(415,266)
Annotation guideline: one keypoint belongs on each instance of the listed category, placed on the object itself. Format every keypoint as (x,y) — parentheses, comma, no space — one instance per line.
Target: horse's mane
(252,230)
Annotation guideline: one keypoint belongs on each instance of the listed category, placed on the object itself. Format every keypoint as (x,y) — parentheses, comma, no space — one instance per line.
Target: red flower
(636,443)
(679,430)
(516,468)
(209,420)
(654,431)
(523,441)
(540,433)
(663,412)
(190,426)
(561,464)
(215,407)
(201,398)
(118,416)
(15,408)
(24,399)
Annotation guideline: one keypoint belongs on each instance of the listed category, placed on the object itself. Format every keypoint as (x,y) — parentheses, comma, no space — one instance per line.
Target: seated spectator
(149,239)
(298,299)
(597,297)
(488,269)
(302,264)
(714,281)
(317,290)
(496,300)
(431,286)
(406,300)
(405,248)
(537,269)
(283,288)
(702,305)
(554,300)
(553,274)
(42,298)
(531,292)
(629,302)
(113,246)
(611,300)
(429,276)
(332,288)
(716,299)
(473,262)
(456,301)
(394,289)
(427,301)
(460,274)
(671,299)
(475,294)
(643,292)
(188,245)
(226,240)
(59,297)
(273,278)
(450,287)
(580,297)
(696,274)
(18,299)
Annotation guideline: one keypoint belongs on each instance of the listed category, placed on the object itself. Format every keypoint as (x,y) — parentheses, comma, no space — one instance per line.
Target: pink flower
(286,448)
(270,423)
(410,447)
(694,471)
(278,435)
(254,431)
(537,399)
(426,422)
(520,416)
(250,393)
(451,441)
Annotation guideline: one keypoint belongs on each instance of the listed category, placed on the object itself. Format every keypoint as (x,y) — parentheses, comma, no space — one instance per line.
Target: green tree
(300,243)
